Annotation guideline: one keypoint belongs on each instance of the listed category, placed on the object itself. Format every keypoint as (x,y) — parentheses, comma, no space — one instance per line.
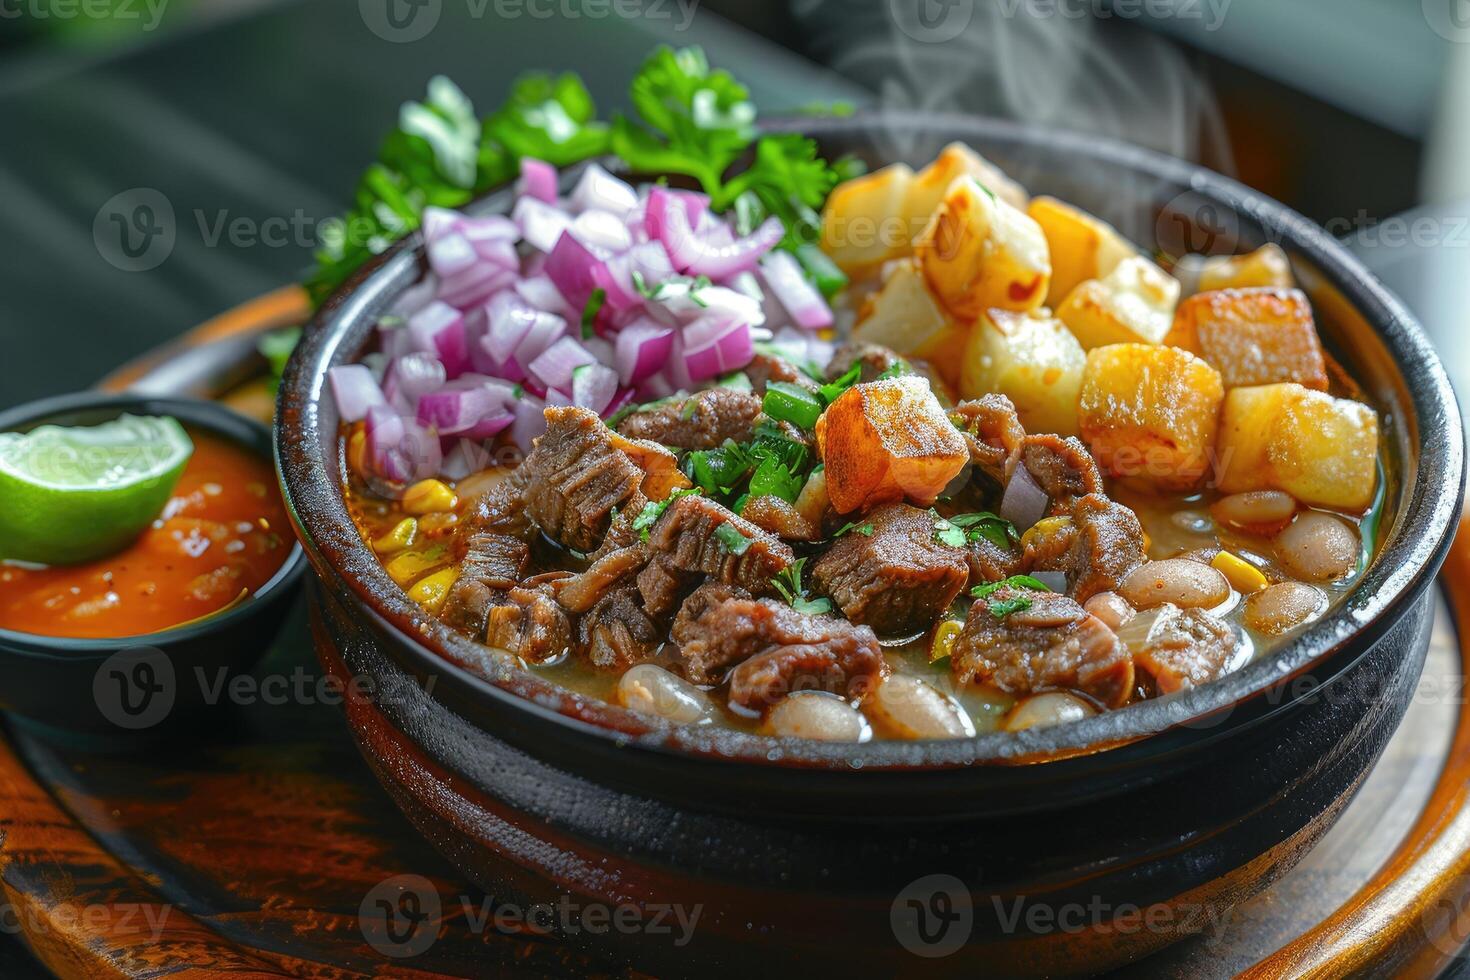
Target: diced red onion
(412,376)
(1024,502)
(802,300)
(437,222)
(541,224)
(715,345)
(708,256)
(558,399)
(538,180)
(602,230)
(598,190)
(398,448)
(439,329)
(393,338)
(530,421)
(415,297)
(553,367)
(454,411)
(508,319)
(593,386)
(489,426)
(641,349)
(541,292)
(487,228)
(545,331)
(465,457)
(451,254)
(623,397)
(662,200)
(476,284)
(575,270)
(355,391)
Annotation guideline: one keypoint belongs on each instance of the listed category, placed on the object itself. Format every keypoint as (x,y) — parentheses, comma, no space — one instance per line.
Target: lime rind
(69,495)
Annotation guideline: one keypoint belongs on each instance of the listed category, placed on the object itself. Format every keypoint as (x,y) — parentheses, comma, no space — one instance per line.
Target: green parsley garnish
(866,530)
(1001,608)
(833,390)
(961,529)
(590,311)
(1014,582)
(734,542)
(654,509)
(788,583)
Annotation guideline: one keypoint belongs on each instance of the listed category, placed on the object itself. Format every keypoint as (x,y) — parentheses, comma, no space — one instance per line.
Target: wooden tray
(253,849)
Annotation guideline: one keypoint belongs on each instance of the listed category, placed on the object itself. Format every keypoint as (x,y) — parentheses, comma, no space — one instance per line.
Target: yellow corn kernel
(428,497)
(400,537)
(944,636)
(357,451)
(404,568)
(1043,528)
(1241,574)
(431,591)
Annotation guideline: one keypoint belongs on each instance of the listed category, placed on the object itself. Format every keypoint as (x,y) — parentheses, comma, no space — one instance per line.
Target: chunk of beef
(576,476)
(899,579)
(765,368)
(662,584)
(1054,643)
(499,510)
(617,633)
(1063,468)
(702,421)
(1183,648)
(529,624)
(613,568)
(993,431)
(779,518)
(873,358)
(1097,545)
(696,536)
(721,626)
(989,562)
(492,564)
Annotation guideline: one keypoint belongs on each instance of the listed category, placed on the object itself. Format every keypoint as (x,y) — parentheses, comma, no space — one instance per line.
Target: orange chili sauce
(222,535)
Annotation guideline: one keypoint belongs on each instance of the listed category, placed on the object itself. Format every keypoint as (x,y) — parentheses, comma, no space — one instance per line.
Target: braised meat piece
(576,476)
(899,579)
(1051,643)
(1062,467)
(993,431)
(1183,648)
(615,566)
(1097,545)
(662,584)
(989,562)
(702,421)
(529,624)
(616,633)
(779,518)
(874,358)
(499,510)
(492,564)
(778,649)
(696,536)
(765,368)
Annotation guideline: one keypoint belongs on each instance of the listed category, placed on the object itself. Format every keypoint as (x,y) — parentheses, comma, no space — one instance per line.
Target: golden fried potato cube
(1266,266)
(1253,336)
(979,252)
(1133,304)
(957,160)
(1031,359)
(888,440)
(1320,449)
(1082,246)
(903,315)
(863,221)
(1150,412)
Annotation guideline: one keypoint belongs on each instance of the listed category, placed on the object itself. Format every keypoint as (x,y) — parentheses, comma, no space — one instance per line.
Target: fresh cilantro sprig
(788,583)
(1001,608)
(961,529)
(654,509)
(866,530)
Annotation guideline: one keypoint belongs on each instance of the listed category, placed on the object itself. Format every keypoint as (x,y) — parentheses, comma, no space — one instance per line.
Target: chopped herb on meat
(788,583)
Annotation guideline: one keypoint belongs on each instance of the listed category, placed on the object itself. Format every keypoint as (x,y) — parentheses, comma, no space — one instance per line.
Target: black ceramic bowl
(806,849)
(139,683)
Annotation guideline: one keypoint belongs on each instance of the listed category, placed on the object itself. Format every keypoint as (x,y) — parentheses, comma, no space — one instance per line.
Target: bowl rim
(218,420)
(1429,498)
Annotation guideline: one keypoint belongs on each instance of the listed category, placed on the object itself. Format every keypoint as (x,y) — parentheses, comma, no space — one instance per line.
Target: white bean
(1255,509)
(1284,606)
(912,708)
(1317,547)
(652,690)
(817,715)
(1043,710)
(1111,608)
(1182,581)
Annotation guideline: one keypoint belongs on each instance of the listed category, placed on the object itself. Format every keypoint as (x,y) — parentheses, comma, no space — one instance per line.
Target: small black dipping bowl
(139,683)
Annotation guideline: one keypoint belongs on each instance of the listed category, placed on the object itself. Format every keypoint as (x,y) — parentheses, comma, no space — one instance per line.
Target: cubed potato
(903,314)
(1266,266)
(888,440)
(1082,247)
(1031,359)
(1133,304)
(863,221)
(979,252)
(957,160)
(1253,336)
(1320,449)
(1150,412)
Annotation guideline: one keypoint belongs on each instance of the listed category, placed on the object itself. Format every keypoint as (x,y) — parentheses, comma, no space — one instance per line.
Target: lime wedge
(72,494)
